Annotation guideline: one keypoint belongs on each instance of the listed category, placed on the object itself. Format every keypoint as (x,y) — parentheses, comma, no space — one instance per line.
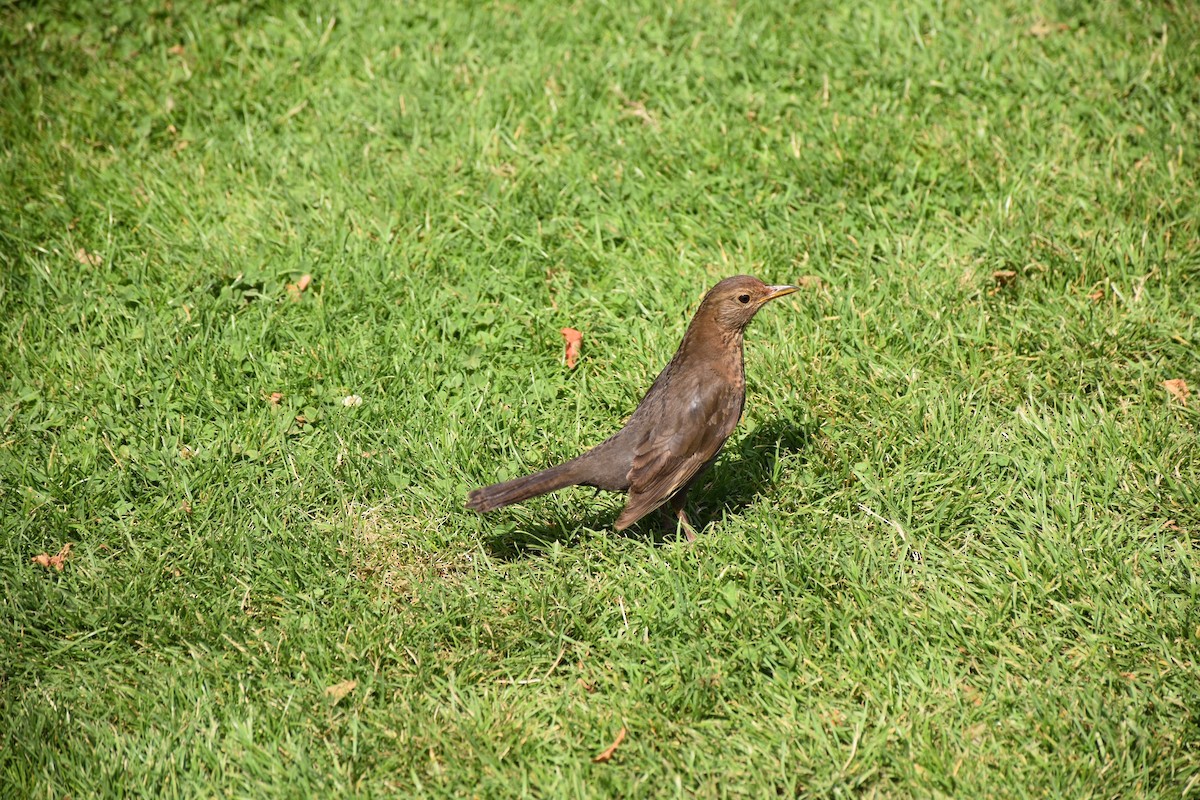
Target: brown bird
(679,427)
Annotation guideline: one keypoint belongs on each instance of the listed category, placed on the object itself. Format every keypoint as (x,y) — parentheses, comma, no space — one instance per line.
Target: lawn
(280,283)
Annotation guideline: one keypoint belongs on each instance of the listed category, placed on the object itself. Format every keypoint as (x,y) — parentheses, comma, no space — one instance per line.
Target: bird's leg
(677,502)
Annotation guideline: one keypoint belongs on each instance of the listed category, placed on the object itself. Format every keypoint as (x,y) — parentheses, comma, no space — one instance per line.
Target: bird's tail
(498,495)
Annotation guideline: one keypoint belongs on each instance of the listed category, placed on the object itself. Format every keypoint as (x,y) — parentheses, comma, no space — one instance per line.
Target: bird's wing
(679,445)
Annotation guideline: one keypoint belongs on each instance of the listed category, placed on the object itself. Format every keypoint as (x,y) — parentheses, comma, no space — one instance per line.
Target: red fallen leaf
(1178,389)
(573,339)
(56,561)
(611,749)
(298,288)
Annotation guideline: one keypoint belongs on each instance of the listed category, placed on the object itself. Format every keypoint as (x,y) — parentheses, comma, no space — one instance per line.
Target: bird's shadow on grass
(744,472)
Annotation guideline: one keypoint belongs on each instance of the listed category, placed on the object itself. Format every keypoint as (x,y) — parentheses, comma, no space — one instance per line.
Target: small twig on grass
(853,746)
(865,509)
(605,756)
(528,681)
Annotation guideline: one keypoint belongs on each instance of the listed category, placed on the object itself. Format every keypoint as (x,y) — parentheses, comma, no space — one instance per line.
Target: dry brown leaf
(56,561)
(638,110)
(1042,28)
(295,290)
(86,258)
(611,749)
(1003,277)
(274,398)
(573,340)
(1178,389)
(1096,296)
(176,50)
(340,690)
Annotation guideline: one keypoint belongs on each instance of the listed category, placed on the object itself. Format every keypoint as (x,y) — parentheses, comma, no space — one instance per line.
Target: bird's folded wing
(675,450)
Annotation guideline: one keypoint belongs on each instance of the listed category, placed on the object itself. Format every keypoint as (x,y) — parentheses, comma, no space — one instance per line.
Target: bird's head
(733,302)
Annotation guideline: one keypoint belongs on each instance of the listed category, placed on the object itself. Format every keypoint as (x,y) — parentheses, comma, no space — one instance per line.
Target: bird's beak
(778,291)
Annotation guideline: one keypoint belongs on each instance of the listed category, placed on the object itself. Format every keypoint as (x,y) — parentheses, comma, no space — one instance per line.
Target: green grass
(952,550)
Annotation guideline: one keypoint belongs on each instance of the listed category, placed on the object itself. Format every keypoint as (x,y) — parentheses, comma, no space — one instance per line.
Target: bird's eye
(743,299)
